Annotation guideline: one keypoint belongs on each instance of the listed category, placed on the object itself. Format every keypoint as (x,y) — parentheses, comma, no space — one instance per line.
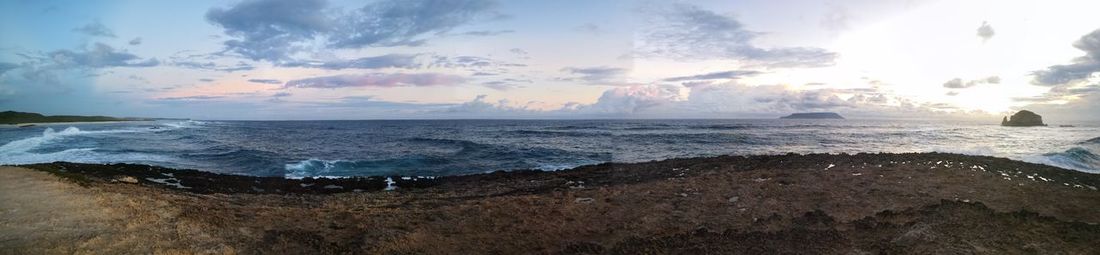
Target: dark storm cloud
(685,31)
(95,29)
(377,80)
(716,75)
(1080,68)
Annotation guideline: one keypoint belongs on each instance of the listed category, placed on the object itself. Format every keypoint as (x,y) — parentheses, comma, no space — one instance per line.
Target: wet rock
(1023,118)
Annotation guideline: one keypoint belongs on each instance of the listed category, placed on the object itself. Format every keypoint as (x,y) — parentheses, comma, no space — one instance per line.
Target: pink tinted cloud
(377,80)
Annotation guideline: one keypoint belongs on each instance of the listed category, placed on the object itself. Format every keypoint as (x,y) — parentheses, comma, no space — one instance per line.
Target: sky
(429,59)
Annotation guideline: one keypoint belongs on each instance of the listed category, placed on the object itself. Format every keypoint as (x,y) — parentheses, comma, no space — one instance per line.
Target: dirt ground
(831,204)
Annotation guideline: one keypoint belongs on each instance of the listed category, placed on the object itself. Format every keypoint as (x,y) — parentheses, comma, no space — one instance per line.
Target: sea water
(455,147)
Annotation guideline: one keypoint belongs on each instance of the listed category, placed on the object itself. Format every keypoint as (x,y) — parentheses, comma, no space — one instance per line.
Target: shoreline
(199,181)
(834,204)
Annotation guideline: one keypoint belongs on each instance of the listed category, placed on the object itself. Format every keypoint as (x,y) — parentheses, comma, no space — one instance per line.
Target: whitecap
(18,151)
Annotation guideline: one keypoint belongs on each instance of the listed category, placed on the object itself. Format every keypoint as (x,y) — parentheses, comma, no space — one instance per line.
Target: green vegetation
(13,117)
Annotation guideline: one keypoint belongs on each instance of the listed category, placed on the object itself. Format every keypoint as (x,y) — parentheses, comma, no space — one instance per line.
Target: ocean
(297,149)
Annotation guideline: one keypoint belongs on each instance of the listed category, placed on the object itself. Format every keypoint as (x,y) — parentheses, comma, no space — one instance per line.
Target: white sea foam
(185,124)
(19,151)
(310,168)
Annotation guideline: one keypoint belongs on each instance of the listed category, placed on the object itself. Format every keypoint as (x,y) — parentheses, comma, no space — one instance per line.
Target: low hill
(13,117)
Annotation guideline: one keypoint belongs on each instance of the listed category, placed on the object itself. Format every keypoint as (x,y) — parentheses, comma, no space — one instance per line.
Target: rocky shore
(834,204)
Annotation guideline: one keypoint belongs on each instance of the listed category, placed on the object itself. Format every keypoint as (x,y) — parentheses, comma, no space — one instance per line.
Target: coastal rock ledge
(1023,118)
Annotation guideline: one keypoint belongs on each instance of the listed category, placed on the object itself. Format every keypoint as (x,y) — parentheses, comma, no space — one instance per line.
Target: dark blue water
(455,147)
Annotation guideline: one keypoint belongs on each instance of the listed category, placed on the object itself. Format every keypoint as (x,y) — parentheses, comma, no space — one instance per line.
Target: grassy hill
(13,117)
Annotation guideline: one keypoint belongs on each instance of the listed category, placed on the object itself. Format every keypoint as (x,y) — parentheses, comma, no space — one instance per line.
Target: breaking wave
(1082,158)
(24,151)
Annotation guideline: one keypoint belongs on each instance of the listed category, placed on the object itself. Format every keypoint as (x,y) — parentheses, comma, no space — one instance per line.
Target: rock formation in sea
(1023,118)
(813,115)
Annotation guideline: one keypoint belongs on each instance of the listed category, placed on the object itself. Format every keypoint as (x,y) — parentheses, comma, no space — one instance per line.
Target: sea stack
(813,115)
(1023,118)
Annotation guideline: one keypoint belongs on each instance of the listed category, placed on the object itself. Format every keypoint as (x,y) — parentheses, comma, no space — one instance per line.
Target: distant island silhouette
(813,115)
(1023,118)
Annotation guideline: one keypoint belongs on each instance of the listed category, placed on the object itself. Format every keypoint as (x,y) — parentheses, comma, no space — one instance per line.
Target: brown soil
(834,204)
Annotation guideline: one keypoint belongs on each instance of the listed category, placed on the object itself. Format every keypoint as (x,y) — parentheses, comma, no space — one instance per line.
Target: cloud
(377,80)
(95,29)
(1081,67)
(711,100)
(1062,93)
(135,41)
(404,22)
(505,84)
(958,83)
(281,94)
(376,62)
(275,30)
(265,81)
(714,100)
(1063,103)
(733,99)
(270,29)
(716,75)
(5,67)
(480,107)
(599,74)
(481,65)
(634,99)
(206,80)
(488,32)
(589,28)
(209,65)
(688,32)
(470,62)
(190,98)
(985,31)
(518,51)
(98,56)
